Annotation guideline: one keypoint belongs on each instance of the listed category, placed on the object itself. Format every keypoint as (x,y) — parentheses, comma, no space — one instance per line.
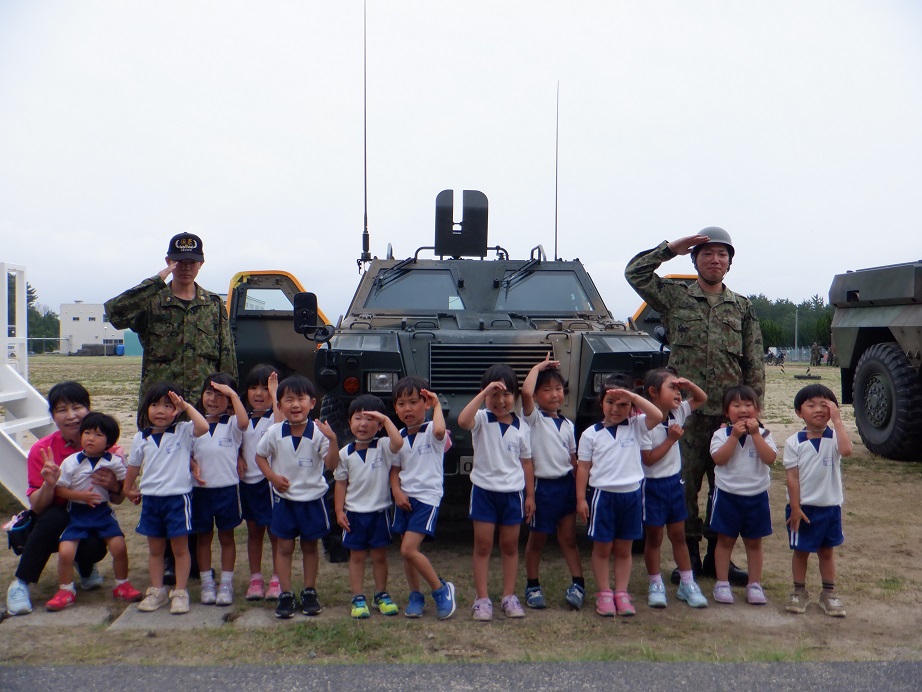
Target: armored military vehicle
(877,335)
(449,316)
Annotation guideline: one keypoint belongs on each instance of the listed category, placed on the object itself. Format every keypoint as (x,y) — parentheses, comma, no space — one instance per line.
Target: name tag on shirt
(424,448)
(513,447)
(308,462)
(753,453)
(225,442)
(627,443)
(827,461)
(172,448)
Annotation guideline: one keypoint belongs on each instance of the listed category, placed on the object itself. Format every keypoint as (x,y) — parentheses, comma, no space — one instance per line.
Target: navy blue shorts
(494,507)
(615,516)
(166,516)
(823,531)
(86,521)
(216,507)
(555,498)
(256,502)
(421,518)
(663,500)
(741,515)
(368,530)
(307,520)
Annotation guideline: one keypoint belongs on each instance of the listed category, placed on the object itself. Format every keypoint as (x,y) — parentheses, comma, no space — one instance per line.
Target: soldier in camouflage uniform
(715,341)
(182,327)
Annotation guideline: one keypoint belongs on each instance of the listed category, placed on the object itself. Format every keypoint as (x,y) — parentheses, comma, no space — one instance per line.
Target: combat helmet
(717,235)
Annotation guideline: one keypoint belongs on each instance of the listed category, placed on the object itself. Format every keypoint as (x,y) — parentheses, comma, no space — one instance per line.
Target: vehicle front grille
(459,367)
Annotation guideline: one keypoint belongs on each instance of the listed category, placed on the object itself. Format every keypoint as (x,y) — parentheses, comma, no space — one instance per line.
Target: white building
(86,323)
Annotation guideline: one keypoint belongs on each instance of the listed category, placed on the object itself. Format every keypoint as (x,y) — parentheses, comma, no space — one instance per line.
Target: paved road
(482,677)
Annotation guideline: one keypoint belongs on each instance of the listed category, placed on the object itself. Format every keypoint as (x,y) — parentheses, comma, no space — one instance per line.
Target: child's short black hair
(104,423)
(297,385)
(655,378)
(220,378)
(740,392)
(501,373)
(811,391)
(550,375)
(617,381)
(259,375)
(406,386)
(156,392)
(68,392)
(366,402)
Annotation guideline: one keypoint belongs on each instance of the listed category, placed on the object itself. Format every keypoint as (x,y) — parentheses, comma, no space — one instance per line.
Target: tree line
(41,321)
(777,319)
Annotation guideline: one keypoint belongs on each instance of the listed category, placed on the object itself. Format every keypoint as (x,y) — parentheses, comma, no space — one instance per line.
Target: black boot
(736,576)
(695,555)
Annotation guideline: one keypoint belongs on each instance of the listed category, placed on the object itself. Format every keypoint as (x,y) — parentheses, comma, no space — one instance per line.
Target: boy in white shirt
(292,456)
(362,499)
(417,474)
(813,468)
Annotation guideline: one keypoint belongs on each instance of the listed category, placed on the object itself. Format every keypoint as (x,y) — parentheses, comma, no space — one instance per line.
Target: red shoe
(127,592)
(61,600)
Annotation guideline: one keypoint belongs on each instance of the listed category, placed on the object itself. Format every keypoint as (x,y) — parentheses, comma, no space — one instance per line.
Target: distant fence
(801,354)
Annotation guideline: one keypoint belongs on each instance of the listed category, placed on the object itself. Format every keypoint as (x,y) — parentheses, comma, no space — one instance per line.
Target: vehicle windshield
(421,290)
(543,291)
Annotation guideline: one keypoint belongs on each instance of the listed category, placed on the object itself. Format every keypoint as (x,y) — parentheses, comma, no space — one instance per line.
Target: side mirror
(660,333)
(305,317)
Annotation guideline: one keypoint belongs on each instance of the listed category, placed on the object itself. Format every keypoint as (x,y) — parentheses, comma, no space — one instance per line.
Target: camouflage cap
(186,246)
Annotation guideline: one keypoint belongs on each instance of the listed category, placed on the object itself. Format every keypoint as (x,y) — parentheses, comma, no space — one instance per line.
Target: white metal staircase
(25,410)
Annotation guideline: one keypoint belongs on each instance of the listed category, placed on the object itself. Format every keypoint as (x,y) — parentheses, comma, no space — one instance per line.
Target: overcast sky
(796,125)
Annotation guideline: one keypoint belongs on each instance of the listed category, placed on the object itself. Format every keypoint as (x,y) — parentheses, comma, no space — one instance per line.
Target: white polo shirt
(744,474)
(614,452)
(299,459)
(165,457)
(77,471)
(259,424)
(498,452)
(553,444)
(671,464)
(368,474)
(819,465)
(421,464)
(216,453)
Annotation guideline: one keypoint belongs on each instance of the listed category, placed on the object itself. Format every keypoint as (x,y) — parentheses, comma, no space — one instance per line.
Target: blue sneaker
(576,594)
(415,605)
(656,595)
(444,598)
(94,581)
(691,594)
(17,598)
(534,598)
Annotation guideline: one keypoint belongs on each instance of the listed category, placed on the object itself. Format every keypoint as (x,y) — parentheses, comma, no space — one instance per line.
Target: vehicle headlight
(598,381)
(381,382)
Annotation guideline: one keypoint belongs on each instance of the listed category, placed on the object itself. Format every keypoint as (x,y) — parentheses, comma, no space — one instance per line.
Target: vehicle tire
(887,398)
(333,411)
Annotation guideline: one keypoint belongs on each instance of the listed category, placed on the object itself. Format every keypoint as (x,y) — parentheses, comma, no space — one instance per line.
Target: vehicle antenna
(366,254)
(556,166)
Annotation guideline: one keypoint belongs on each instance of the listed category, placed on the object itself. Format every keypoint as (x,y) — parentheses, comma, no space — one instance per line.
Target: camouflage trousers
(697,463)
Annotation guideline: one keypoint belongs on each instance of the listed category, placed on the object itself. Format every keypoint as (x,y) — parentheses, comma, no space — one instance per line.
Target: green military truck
(877,336)
(445,313)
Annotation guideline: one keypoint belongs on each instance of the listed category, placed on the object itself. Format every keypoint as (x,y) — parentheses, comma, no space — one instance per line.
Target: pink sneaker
(274,590)
(623,604)
(256,590)
(754,594)
(605,604)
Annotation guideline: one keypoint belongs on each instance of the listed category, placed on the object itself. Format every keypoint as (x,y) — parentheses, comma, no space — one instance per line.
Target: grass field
(877,576)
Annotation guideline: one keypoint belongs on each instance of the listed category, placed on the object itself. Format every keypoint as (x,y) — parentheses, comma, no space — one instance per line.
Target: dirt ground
(878,578)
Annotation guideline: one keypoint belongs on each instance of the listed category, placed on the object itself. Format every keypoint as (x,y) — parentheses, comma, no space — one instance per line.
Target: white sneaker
(179,601)
(94,581)
(17,598)
(153,599)
(225,594)
(207,594)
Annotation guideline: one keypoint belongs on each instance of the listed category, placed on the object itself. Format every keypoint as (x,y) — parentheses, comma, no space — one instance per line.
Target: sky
(794,125)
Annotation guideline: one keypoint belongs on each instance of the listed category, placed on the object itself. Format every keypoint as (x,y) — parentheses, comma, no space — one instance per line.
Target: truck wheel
(887,397)
(333,411)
